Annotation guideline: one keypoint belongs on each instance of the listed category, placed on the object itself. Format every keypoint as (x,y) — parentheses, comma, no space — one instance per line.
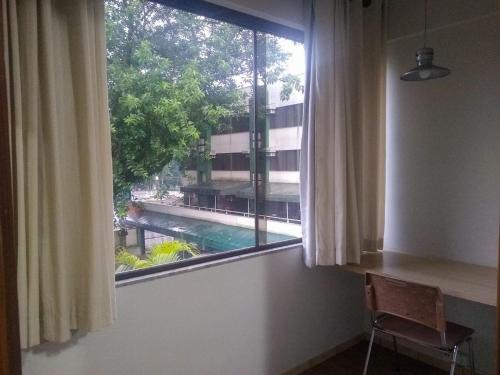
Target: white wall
(482,319)
(285,138)
(443,142)
(257,316)
(279,139)
(287,177)
(230,143)
(443,160)
(231,175)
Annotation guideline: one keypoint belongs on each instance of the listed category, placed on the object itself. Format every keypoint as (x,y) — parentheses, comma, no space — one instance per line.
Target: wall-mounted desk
(461,280)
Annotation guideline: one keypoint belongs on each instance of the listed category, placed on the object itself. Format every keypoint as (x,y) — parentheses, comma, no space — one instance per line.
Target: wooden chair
(414,312)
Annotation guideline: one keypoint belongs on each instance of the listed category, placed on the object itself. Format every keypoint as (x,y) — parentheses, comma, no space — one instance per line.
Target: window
(285,160)
(231,161)
(289,115)
(205,108)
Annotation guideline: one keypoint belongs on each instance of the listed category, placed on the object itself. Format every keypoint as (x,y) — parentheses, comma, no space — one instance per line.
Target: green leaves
(290,83)
(173,247)
(154,118)
(165,252)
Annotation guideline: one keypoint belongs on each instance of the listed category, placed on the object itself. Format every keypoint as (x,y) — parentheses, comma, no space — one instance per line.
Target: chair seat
(455,333)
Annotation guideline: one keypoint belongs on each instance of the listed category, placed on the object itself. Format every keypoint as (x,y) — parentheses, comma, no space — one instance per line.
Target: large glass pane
(280,69)
(187,114)
(180,93)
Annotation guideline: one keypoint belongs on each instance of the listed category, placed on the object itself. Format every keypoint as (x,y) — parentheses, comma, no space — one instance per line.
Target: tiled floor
(382,362)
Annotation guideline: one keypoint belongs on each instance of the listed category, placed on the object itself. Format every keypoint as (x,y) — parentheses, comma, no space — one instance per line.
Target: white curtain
(59,117)
(343,142)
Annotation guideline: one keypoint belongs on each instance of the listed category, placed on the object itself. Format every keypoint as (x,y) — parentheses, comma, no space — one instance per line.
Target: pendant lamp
(425,69)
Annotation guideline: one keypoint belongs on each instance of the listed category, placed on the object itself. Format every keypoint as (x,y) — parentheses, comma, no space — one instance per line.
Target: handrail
(239,213)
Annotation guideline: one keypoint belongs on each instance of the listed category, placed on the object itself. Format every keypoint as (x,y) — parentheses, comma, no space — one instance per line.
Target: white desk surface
(462,280)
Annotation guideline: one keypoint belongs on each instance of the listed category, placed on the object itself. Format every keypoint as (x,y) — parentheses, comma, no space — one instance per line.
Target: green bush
(162,253)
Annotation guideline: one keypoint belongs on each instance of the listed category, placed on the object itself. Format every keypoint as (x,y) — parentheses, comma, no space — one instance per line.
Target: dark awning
(274,191)
(216,187)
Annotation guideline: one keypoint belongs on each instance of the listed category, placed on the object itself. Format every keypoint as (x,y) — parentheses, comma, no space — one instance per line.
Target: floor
(382,362)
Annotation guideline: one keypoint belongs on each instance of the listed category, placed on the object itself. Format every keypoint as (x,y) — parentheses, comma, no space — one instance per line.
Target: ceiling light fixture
(425,69)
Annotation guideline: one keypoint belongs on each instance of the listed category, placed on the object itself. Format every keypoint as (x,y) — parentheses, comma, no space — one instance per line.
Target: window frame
(221,13)
(256,25)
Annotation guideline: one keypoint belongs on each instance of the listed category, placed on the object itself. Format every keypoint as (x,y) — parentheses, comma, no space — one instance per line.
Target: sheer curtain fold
(59,115)
(343,141)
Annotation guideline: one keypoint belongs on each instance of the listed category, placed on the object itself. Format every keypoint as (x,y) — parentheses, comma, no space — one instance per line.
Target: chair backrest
(416,302)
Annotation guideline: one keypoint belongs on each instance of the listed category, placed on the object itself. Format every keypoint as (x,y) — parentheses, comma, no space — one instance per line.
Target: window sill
(157,274)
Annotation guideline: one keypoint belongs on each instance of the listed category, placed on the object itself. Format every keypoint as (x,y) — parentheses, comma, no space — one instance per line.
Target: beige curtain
(343,144)
(63,163)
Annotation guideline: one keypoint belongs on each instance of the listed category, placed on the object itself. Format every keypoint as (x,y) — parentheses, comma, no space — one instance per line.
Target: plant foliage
(162,253)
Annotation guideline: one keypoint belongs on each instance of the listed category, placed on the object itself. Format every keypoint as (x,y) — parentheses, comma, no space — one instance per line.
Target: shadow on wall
(303,322)
(482,319)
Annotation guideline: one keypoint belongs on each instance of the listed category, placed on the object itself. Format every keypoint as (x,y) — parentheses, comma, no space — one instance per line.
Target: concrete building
(225,180)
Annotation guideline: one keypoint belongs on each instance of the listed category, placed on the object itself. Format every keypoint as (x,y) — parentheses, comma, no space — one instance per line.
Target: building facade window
(237,124)
(231,162)
(289,115)
(285,160)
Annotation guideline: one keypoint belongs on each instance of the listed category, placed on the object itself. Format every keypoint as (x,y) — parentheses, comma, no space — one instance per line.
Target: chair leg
(395,344)
(471,356)
(369,351)
(454,359)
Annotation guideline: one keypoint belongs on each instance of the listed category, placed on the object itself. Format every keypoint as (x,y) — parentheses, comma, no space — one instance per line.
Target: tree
(171,76)
(153,117)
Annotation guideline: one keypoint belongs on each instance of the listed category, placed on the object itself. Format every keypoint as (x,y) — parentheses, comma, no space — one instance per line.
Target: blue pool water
(209,236)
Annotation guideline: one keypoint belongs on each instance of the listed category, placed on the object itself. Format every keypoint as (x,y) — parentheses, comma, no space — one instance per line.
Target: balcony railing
(241,213)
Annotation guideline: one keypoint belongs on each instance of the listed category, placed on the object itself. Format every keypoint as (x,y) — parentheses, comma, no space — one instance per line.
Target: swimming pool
(209,236)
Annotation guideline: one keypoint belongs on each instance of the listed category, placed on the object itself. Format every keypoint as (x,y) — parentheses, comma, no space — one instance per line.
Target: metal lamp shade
(425,69)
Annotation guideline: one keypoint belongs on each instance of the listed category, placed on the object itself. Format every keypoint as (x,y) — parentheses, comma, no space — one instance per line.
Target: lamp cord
(425,24)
